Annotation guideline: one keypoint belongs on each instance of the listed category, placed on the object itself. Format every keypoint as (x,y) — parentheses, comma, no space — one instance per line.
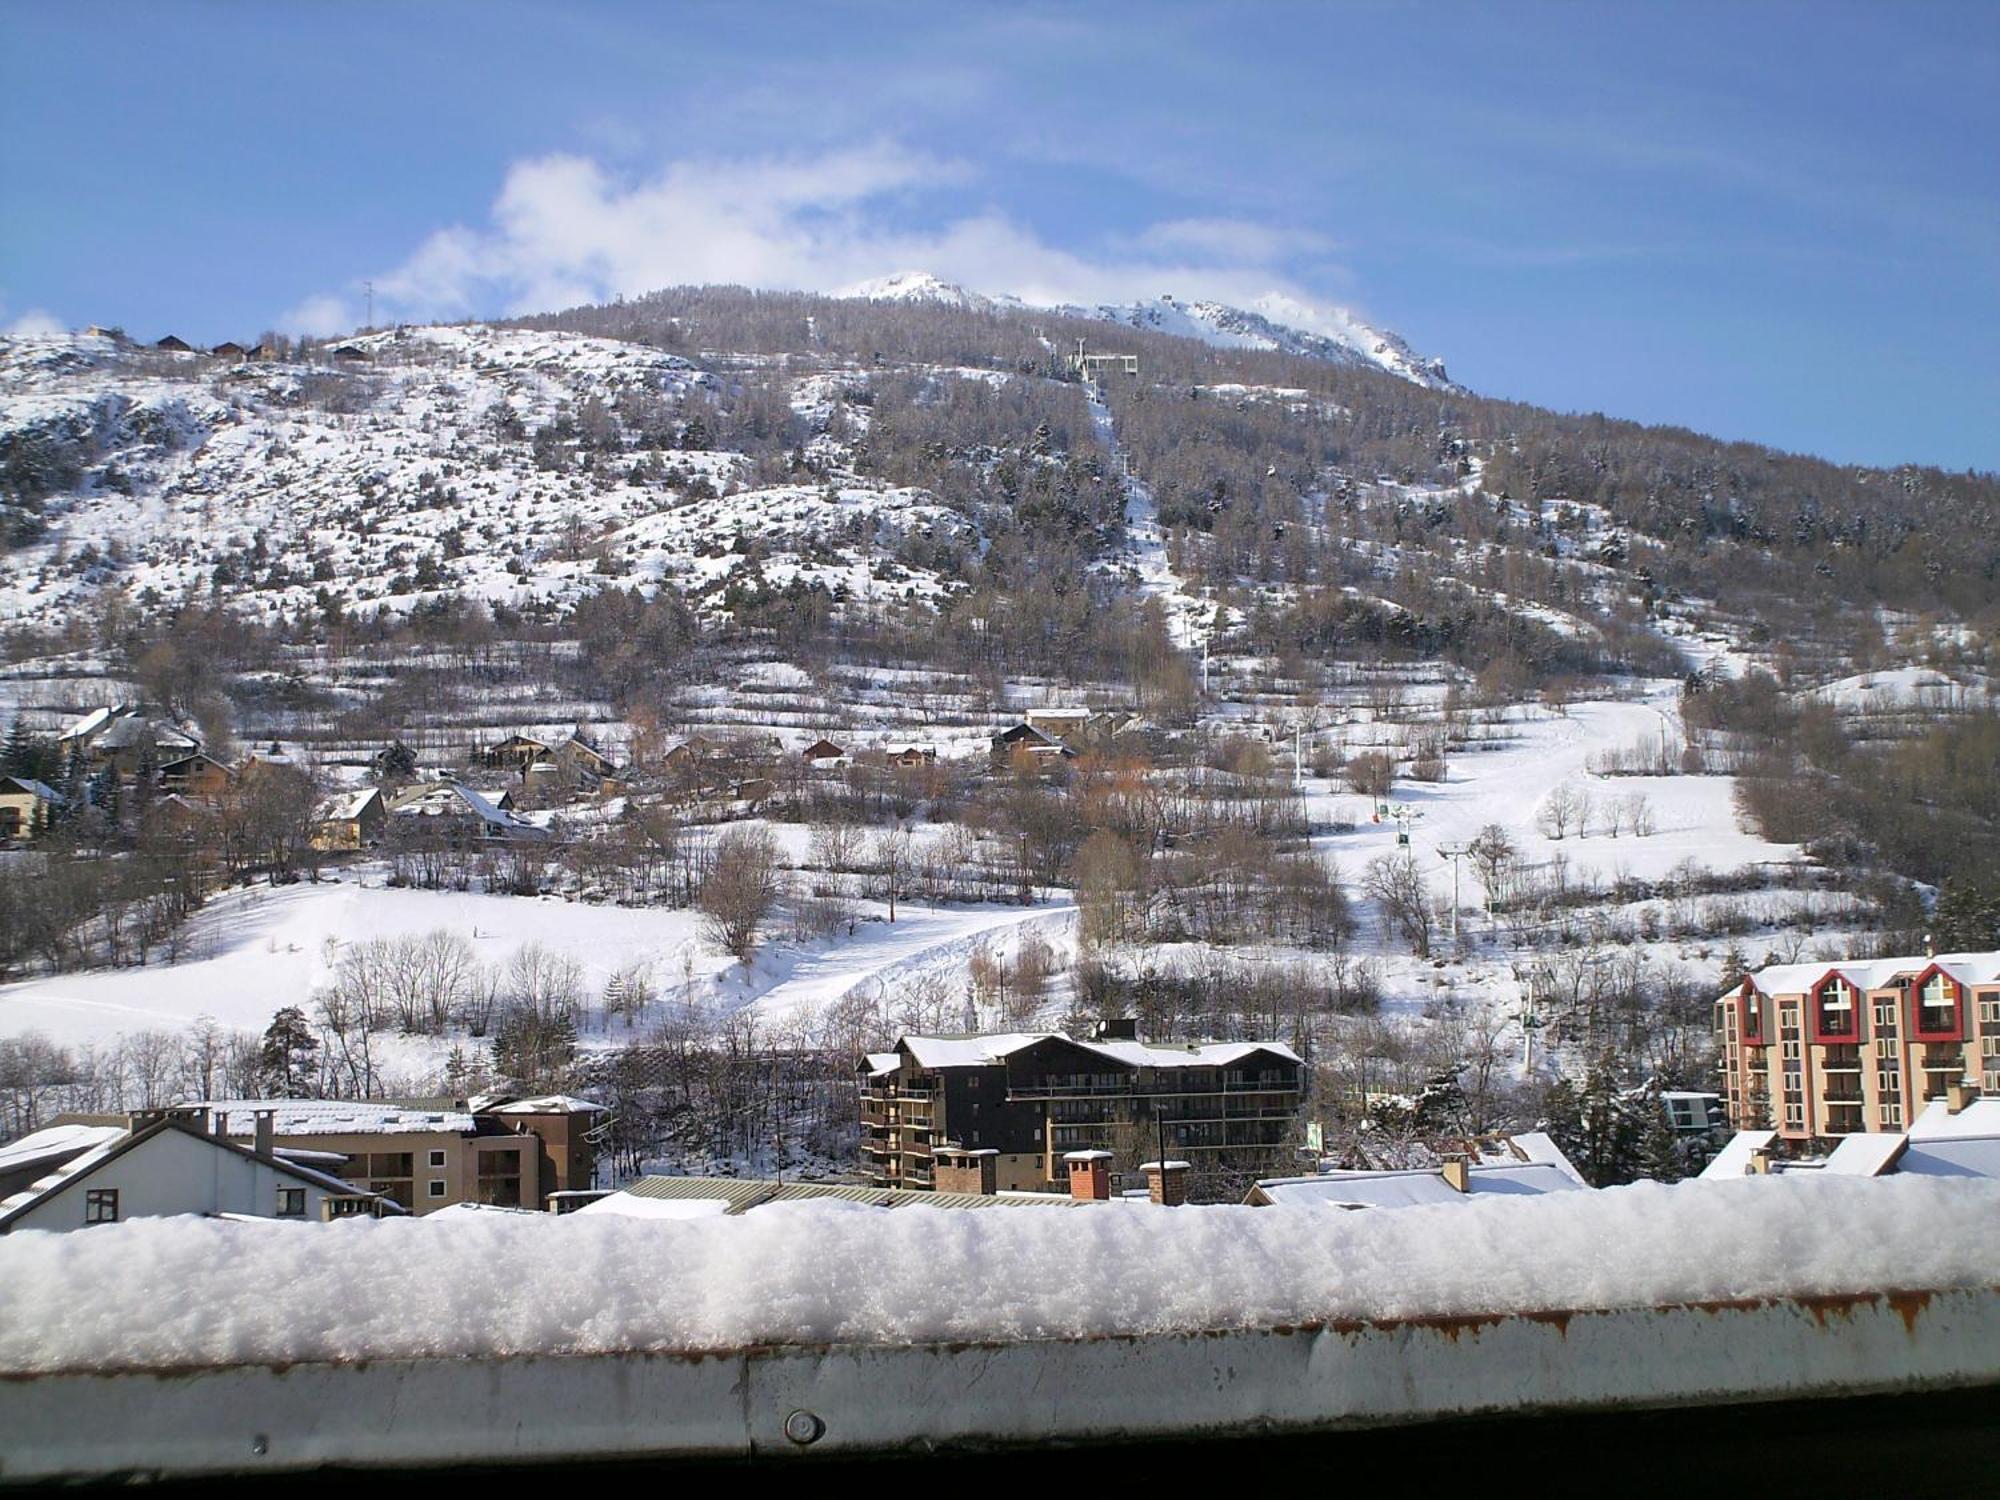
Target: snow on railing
(184,1292)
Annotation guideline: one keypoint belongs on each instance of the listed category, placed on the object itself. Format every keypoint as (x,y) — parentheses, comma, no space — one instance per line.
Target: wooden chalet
(26,807)
(199,777)
(349,822)
(174,345)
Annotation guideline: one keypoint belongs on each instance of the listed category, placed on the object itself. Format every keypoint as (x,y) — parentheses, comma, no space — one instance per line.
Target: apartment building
(1033,1098)
(1816,1051)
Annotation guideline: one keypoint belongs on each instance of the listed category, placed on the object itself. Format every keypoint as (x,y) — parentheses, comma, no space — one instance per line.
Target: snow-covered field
(254,950)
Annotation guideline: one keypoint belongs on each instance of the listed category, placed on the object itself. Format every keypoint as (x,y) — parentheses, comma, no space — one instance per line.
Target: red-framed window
(1752,1007)
(1836,1011)
(1938,1003)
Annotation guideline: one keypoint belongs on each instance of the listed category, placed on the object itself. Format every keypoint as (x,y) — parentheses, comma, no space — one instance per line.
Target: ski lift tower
(1089,366)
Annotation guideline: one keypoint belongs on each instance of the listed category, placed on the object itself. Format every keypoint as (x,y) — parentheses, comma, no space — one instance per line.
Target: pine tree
(286,1061)
(17,757)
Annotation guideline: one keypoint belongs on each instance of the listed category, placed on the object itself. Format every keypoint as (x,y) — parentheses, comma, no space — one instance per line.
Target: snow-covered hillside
(403,471)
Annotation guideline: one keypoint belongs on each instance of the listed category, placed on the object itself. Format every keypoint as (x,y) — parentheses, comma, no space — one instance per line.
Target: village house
(27,807)
(1818,1051)
(165,1162)
(228,349)
(422,1154)
(910,753)
(197,777)
(1025,743)
(1067,724)
(455,811)
(174,345)
(571,764)
(1034,1097)
(822,754)
(350,821)
(126,737)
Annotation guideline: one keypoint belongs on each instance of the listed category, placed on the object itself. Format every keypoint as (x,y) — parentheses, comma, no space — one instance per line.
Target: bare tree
(742,886)
(1563,809)
(1397,886)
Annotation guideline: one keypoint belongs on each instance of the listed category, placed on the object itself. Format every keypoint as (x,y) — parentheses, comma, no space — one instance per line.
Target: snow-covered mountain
(1278,322)
(920,286)
(1273,321)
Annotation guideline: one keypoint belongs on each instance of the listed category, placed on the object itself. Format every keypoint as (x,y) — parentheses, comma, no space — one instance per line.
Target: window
(436,1190)
(1937,1006)
(437,1158)
(100,1206)
(1753,1015)
(291,1203)
(1834,1010)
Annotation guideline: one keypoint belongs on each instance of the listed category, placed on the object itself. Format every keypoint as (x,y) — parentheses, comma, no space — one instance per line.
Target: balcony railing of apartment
(1137,1090)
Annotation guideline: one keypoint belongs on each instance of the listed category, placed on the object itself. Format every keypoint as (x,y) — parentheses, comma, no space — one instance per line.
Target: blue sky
(1778,222)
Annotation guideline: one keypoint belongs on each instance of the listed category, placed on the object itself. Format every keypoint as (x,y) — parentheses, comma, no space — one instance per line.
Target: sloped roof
(1866,1153)
(54,1144)
(1733,1160)
(346,806)
(1875,973)
(984,1051)
(549,1104)
(31,786)
(338,1117)
(1411,1189)
(79,1167)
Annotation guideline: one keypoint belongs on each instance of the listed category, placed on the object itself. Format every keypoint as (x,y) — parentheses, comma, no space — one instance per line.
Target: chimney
(1166,1182)
(267,1132)
(968,1171)
(1760,1162)
(1960,1094)
(1457,1173)
(1089,1175)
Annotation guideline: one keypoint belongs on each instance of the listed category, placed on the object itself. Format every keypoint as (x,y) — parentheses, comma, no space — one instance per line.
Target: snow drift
(169,1293)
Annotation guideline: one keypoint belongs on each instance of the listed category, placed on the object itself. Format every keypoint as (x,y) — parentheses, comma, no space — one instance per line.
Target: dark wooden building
(1035,1097)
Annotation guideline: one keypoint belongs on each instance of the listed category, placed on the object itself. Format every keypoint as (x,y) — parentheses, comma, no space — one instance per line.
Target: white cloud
(36,322)
(319,317)
(565,230)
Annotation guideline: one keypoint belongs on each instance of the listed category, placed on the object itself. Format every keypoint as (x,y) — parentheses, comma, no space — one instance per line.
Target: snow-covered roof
(1733,1160)
(89,1160)
(549,1104)
(89,724)
(1979,1119)
(1532,1146)
(55,1143)
(985,1051)
(1866,1153)
(338,1117)
(1410,1189)
(28,784)
(883,1062)
(1876,973)
(436,800)
(346,806)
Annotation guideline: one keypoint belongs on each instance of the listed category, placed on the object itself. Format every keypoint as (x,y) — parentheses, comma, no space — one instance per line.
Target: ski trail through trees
(1146,540)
